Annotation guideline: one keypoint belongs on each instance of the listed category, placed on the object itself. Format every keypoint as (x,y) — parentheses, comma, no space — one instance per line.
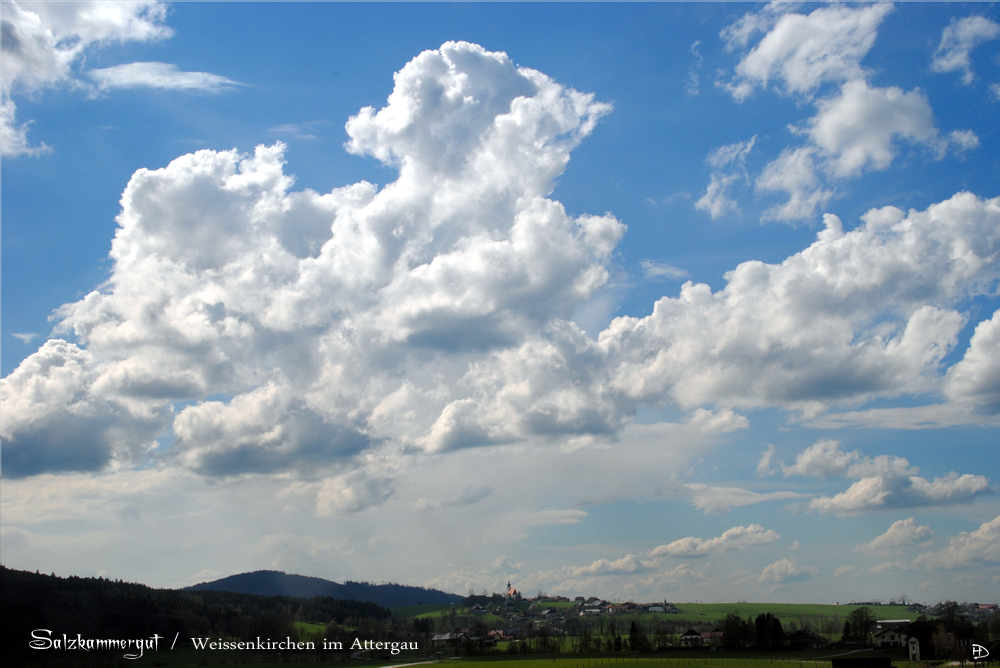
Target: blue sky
(683,301)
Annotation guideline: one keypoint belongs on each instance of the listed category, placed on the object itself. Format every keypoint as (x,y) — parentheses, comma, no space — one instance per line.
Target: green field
(310,627)
(420,610)
(700,614)
(786,612)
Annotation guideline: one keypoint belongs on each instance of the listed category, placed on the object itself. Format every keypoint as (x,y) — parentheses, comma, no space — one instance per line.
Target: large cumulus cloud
(302,324)
(255,328)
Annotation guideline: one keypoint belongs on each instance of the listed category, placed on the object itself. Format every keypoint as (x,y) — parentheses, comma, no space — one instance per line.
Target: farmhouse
(691,638)
(806,639)
(891,632)
(713,637)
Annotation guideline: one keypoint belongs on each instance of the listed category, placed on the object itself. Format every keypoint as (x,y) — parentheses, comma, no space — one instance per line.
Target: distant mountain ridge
(278,583)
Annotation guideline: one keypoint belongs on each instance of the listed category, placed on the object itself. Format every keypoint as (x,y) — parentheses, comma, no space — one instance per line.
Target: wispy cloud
(959,38)
(719,500)
(472,494)
(158,75)
(297,130)
(652,269)
(555,516)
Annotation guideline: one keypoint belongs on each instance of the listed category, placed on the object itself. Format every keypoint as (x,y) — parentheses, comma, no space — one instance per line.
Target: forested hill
(277,583)
(101,608)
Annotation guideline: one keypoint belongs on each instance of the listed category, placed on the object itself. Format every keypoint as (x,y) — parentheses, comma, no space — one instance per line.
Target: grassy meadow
(803,613)
(817,616)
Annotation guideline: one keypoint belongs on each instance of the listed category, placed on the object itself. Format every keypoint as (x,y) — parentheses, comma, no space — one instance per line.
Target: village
(512,623)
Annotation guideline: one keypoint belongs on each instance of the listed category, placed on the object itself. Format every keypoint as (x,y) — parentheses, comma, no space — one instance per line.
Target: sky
(695,302)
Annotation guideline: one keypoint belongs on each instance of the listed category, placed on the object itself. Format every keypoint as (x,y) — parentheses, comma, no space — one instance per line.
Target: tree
(769,631)
(943,643)
(637,640)
(950,613)
(735,631)
(862,620)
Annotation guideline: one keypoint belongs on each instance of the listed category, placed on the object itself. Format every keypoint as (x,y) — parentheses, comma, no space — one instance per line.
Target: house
(713,637)
(890,638)
(806,639)
(691,638)
(448,639)
(891,632)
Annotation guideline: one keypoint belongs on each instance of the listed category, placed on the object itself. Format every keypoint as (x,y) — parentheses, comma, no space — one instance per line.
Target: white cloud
(24,337)
(931,416)
(44,41)
(804,51)
(786,570)
(889,567)
(882,482)
(822,459)
(297,130)
(738,35)
(976,378)
(729,166)
(723,422)
(719,500)
(817,313)
(434,314)
(764,465)
(493,577)
(968,549)
(654,269)
(555,516)
(902,533)
(352,492)
(157,75)
(856,129)
(692,80)
(14,136)
(54,421)
(959,38)
(627,564)
(847,571)
(794,173)
(265,430)
(891,491)
(737,538)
